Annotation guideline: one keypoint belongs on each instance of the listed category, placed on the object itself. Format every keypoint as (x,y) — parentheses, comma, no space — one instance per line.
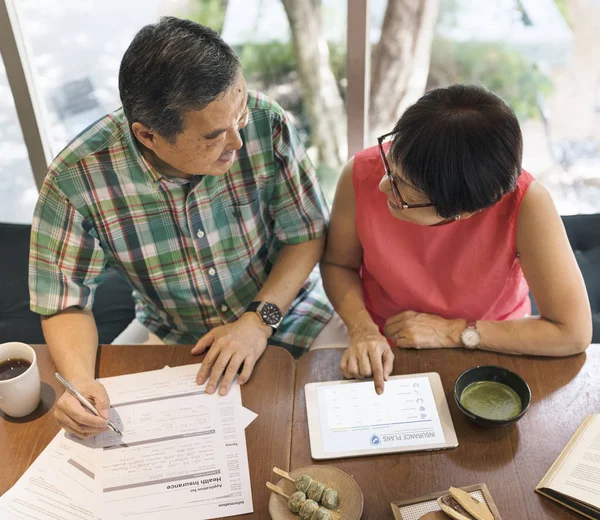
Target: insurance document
(182,455)
(181,448)
(58,485)
(354,417)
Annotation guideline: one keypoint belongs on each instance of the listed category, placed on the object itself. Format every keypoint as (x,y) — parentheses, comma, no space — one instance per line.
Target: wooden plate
(351,497)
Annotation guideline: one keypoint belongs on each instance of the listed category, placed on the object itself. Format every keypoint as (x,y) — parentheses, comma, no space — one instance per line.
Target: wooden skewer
(283,474)
(278,490)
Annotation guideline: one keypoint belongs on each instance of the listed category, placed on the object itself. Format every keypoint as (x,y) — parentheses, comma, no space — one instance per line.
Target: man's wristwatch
(470,337)
(269,313)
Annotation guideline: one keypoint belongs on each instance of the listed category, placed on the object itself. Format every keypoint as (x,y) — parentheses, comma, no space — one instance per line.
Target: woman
(437,235)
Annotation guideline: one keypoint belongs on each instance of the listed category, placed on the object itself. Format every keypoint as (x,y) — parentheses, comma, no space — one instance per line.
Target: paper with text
(177,441)
(353,417)
(577,473)
(56,485)
(180,446)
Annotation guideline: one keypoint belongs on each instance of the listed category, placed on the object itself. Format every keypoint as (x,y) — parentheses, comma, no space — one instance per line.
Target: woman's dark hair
(461,146)
(172,67)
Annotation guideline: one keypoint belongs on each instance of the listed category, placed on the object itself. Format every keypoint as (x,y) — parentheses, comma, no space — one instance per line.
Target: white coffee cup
(20,395)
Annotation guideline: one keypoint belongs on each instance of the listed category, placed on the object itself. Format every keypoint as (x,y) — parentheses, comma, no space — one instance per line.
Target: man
(200,192)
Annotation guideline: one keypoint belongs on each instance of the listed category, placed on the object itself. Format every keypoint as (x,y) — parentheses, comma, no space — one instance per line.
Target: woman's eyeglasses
(395,191)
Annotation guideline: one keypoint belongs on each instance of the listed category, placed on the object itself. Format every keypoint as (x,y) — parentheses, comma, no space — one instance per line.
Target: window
(283,61)
(75,48)
(18,193)
(539,55)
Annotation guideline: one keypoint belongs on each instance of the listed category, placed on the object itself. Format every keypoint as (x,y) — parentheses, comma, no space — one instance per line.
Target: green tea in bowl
(491,400)
(492,396)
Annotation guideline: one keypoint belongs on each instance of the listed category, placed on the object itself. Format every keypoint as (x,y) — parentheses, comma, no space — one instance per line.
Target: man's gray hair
(172,67)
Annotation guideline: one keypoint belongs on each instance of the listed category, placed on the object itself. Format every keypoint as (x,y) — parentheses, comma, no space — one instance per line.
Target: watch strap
(253,307)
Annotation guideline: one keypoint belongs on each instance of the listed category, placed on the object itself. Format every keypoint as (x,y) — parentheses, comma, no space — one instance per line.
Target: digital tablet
(348,418)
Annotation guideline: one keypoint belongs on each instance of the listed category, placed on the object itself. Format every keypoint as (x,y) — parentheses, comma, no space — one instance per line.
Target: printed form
(58,485)
(354,417)
(183,452)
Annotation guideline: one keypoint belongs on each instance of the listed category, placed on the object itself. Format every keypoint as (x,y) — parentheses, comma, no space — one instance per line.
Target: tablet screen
(354,418)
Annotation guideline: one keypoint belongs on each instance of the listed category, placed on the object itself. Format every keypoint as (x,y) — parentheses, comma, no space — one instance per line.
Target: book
(574,478)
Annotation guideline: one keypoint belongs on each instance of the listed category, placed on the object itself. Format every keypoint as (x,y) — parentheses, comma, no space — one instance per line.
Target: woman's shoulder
(524,183)
(367,167)
(536,199)
(525,180)
(511,203)
(367,158)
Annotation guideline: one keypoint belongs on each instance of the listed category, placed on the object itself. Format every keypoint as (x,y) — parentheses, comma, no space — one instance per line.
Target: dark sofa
(114,310)
(584,235)
(113,306)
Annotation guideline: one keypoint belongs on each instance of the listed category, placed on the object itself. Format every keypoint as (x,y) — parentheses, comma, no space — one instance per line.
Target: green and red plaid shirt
(195,252)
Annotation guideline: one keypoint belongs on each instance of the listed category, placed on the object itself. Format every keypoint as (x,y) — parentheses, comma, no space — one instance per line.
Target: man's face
(209,139)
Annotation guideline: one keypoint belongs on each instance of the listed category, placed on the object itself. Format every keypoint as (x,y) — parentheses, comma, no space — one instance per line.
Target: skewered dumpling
(330,499)
(308,509)
(302,483)
(296,500)
(321,514)
(315,491)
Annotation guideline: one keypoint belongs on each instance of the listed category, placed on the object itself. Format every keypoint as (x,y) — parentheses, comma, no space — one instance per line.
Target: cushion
(113,306)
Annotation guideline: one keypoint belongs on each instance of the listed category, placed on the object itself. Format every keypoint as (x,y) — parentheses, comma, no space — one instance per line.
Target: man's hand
(74,418)
(369,354)
(415,330)
(231,345)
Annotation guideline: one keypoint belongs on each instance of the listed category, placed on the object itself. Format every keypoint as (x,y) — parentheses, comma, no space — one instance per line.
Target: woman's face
(421,216)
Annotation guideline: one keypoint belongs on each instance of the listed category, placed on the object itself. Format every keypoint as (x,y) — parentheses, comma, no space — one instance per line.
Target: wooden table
(269,393)
(511,460)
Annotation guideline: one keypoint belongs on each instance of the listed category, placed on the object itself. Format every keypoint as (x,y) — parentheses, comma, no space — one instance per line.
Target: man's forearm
(291,269)
(344,289)
(72,339)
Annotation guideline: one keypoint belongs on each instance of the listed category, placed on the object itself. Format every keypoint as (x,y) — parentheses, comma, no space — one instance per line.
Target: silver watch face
(470,337)
(270,314)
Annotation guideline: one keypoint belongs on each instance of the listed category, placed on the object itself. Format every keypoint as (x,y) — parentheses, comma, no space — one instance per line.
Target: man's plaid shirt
(195,252)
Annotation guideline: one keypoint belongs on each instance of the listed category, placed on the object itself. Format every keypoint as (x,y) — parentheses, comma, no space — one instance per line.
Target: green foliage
(504,71)
(268,63)
(338,52)
(208,12)
(447,13)
(562,7)
(328,178)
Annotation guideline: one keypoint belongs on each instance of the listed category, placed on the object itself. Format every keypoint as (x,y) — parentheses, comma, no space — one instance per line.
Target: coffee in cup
(20,384)
(11,368)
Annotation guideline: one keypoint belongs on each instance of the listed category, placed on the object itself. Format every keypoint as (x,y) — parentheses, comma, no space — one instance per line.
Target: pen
(77,395)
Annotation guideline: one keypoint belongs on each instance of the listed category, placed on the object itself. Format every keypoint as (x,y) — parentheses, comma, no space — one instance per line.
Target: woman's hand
(411,329)
(369,354)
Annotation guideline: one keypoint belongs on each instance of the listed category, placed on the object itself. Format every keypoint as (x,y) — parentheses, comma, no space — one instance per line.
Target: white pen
(77,395)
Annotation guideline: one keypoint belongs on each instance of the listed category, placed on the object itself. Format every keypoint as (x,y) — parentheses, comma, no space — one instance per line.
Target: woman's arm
(564,326)
(341,261)
(369,352)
